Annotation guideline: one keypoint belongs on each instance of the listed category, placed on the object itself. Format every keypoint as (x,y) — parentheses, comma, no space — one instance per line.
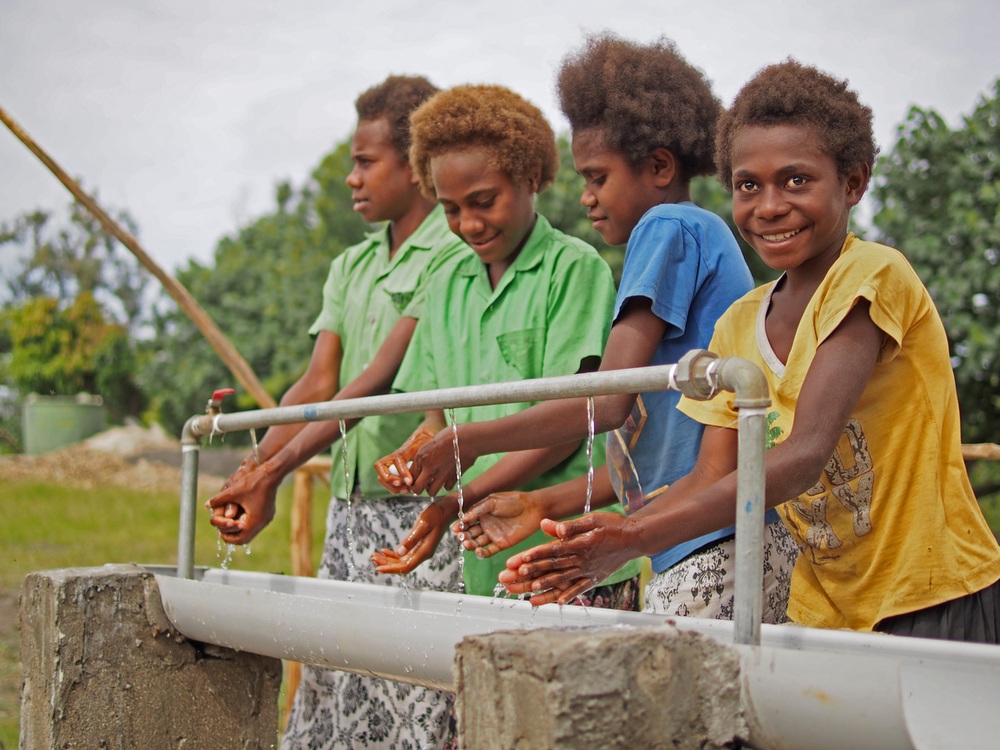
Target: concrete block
(597,688)
(103,668)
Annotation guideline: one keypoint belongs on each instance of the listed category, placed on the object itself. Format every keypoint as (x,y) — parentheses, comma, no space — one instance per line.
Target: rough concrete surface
(103,668)
(615,688)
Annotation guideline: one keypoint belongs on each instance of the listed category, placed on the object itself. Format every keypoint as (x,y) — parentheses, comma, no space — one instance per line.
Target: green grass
(44,527)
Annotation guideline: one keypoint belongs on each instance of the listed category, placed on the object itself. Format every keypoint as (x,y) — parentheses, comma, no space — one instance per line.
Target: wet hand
(587,551)
(434,466)
(420,544)
(244,507)
(394,470)
(498,522)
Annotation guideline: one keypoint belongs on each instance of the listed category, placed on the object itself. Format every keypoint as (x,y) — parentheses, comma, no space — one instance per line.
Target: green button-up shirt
(365,295)
(549,312)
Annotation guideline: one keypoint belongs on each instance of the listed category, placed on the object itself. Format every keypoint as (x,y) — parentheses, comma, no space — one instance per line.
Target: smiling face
(382,185)
(615,194)
(789,202)
(483,205)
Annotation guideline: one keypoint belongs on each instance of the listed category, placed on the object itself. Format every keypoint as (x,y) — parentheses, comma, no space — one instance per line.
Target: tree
(938,200)
(55,349)
(76,256)
(70,302)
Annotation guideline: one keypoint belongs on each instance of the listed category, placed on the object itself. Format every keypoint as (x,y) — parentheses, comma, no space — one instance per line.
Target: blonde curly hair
(515,134)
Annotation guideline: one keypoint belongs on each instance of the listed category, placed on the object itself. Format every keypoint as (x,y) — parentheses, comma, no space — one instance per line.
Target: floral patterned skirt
(701,585)
(334,709)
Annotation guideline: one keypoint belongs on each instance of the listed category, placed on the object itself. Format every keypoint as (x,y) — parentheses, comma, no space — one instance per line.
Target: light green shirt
(549,312)
(364,297)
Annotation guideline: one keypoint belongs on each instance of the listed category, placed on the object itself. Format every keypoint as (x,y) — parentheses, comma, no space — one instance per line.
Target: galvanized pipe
(634,380)
(752,401)
(190,450)
(699,374)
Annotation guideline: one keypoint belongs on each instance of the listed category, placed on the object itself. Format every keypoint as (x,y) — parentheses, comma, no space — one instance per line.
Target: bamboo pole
(215,337)
(977,451)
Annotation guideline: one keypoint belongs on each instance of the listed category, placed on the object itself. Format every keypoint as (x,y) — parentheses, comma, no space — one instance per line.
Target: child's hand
(420,543)
(434,467)
(586,552)
(244,506)
(394,470)
(498,522)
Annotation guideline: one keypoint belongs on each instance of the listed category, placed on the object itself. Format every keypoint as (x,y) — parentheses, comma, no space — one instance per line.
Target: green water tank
(51,422)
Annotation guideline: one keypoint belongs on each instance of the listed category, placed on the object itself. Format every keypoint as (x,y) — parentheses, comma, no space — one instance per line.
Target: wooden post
(981,451)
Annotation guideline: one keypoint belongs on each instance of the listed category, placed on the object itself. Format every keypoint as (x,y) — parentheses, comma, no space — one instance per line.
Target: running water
(226,558)
(253,442)
(591,419)
(351,568)
(461,498)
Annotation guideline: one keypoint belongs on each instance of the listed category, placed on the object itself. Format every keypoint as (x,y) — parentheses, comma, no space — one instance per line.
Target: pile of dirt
(86,468)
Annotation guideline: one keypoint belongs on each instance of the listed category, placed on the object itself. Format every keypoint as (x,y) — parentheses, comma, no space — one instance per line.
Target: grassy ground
(45,526)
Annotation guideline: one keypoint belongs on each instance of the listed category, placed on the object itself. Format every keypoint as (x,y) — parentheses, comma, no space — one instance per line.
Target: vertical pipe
(749,595)
(189,499)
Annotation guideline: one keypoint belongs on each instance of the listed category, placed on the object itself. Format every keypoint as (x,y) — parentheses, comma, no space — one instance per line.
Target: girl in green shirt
(532,302)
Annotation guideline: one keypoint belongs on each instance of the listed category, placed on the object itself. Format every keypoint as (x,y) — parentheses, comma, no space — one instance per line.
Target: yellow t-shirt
(892,526)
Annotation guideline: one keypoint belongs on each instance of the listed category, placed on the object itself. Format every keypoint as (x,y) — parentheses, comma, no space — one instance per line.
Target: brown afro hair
(641,97)
(518,139)
(791,93)
(394,100)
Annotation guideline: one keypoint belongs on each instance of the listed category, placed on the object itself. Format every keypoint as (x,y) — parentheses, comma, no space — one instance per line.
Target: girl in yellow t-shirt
(867,467)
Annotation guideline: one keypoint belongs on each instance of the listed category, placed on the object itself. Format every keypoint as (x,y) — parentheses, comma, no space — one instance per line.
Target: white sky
(187,112)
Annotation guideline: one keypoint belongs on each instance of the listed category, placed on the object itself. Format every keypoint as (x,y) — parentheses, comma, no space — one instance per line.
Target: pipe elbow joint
(745,380)
(190,433)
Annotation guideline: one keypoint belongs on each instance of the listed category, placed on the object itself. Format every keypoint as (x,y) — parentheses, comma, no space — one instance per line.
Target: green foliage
(938,201)
(69,304)
(65,350)
(77,255)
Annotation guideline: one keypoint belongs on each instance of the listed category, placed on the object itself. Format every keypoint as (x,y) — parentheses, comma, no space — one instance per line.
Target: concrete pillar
(573,689)
(103,668)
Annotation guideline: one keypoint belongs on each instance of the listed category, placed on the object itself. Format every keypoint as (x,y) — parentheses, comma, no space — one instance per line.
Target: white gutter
(802,688)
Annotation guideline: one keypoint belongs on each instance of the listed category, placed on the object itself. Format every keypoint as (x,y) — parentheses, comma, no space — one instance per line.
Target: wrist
(469,436)
(448,503)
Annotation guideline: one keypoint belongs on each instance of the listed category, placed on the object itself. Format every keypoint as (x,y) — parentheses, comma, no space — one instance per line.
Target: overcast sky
(187,112)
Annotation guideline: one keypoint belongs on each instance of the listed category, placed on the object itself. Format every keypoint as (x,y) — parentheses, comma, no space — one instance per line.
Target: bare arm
(253,492)
(705,500)
(632,343)
(318,383)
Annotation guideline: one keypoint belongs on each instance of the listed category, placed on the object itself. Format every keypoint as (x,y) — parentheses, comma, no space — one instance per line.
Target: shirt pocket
(400,293)
(524,351)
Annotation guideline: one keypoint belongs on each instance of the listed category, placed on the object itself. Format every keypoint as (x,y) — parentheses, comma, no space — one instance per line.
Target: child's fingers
(488,551)
(416,534)
(402,467)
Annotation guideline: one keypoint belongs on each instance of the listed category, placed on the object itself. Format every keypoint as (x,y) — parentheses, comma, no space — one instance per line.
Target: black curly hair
(394,100)
(641,97)
(790,93)
(515,134)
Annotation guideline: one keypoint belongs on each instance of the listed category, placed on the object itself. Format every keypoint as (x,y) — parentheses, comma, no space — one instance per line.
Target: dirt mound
(78,466)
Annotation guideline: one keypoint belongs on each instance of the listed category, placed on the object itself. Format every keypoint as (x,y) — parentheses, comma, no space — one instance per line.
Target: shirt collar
(425,237)
(529,257)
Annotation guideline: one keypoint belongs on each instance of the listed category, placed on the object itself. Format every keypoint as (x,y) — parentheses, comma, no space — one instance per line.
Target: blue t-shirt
(687,263)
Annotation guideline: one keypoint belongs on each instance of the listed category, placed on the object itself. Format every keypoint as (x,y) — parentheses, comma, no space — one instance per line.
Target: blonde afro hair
(514,133)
